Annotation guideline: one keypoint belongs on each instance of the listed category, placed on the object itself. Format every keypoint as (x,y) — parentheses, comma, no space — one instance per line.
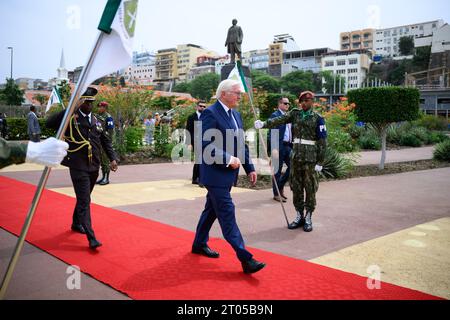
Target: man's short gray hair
(226,85)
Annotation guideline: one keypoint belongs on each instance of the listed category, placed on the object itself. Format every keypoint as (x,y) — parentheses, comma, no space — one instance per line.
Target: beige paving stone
(119,194)
(28,167)
(417,258)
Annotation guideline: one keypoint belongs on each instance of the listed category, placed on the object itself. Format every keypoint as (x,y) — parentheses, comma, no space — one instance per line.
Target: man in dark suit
(34,130)
(86,138)
(224,151)
(280,149)
(191,123)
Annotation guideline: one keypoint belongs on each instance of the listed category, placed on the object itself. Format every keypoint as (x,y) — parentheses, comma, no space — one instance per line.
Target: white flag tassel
(116,48)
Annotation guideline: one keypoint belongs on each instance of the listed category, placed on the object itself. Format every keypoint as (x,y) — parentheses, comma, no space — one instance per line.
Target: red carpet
(150,260)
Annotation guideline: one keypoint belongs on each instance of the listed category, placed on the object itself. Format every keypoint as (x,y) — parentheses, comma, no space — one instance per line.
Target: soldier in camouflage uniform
(309,140)
(108,126)
(49,152)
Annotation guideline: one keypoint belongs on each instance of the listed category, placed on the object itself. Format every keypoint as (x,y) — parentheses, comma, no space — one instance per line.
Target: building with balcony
(166,67)
(353,65)
(386,41)
(304,60)
(257,60)
(187,58)
(358,39)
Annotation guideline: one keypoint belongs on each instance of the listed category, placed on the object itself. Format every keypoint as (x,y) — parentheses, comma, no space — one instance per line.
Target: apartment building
(353,65)
(187,58)
(166,66)
(358,39)
(257,59)
(386,41)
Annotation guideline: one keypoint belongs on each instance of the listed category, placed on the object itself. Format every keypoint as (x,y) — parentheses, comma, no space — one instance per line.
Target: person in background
(34,130)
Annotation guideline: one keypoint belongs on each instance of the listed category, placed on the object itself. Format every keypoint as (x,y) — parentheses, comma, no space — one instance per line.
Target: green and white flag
(236,74)
(115,51)
(54,98)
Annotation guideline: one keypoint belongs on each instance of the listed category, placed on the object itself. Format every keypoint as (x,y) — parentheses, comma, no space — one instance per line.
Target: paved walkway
(397,223)
(402,155)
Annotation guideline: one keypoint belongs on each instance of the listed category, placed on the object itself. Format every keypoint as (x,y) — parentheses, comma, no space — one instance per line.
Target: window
(341,62)
(353,61)
(329,63)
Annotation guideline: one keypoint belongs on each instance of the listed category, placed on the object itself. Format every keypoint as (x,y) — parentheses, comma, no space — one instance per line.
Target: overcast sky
(38,30)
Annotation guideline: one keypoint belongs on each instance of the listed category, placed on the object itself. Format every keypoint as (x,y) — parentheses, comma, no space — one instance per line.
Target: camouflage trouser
(104,162)
(304,184)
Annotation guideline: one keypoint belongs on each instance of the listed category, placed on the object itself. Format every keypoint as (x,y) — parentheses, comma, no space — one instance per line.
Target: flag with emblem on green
(115,51)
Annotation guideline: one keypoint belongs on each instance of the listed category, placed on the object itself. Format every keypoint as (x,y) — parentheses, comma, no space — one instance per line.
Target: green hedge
(385,104)
(17,129)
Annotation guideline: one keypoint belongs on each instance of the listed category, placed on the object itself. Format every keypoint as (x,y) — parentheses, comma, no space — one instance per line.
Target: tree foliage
(406,46)
(12,94)
(297,81)
(384,105)
(204,86)
(263,81)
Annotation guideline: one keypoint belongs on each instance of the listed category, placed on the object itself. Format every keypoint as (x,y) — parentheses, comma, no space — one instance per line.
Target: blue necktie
(232,119)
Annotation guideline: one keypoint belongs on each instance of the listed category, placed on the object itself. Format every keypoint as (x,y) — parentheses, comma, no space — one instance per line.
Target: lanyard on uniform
(83,141)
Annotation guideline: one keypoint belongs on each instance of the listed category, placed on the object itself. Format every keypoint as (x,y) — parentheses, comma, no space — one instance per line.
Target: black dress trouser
(83,184)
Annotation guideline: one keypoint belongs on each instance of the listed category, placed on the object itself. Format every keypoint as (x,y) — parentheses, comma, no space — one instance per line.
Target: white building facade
(352,65)
(386,41)
(140,74)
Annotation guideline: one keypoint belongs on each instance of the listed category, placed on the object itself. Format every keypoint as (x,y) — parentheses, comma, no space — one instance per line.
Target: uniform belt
(285,143)
(303,141)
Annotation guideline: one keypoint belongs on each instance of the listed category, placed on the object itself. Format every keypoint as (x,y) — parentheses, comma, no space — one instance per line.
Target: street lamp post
(12,54)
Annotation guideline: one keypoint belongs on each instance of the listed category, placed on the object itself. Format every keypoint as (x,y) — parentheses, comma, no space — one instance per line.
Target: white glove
(49,153)
(318,168)
(259,124)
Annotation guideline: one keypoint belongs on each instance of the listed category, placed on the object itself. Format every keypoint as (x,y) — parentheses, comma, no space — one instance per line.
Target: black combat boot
(105,180)
(102,178)
(298,222)
(308,227)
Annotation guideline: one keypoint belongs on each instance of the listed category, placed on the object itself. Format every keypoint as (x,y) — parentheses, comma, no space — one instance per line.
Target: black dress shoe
(94,244)
(252,266)
(308,227)
(297,223)
(78,228)
(205,251)
(279,199)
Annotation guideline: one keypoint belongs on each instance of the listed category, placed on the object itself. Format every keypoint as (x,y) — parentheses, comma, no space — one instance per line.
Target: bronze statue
(234,41)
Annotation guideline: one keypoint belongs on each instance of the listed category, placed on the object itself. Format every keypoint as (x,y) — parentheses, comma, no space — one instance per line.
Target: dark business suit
(284,152)
(34,130)
(218,178)
(84,172)
(191,123)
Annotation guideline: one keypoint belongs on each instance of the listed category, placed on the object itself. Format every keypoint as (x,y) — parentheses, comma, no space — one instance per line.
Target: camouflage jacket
(307,125)
(107,123)
(12,152)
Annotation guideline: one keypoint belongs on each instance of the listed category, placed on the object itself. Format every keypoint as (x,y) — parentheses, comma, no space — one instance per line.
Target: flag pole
(42,182)
(250,96)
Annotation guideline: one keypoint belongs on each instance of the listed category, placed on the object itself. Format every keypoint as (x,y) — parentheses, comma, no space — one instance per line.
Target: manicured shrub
(442,151)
